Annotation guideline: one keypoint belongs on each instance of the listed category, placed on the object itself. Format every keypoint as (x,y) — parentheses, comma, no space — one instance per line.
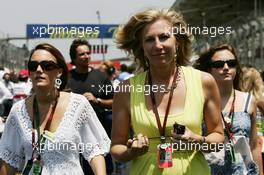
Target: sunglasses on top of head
(220,63)
(45,65)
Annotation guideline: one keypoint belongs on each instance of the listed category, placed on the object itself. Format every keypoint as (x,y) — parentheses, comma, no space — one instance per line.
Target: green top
(144,121)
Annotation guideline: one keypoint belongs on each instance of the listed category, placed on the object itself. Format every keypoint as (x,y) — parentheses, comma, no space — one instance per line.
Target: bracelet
(134,139)
(203,141)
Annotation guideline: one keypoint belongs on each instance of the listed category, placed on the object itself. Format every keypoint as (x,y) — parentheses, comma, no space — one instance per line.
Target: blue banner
(61,31)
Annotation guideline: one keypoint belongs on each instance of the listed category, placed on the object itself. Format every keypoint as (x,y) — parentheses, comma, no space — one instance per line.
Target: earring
(58,83)
(146,62)
(175,56)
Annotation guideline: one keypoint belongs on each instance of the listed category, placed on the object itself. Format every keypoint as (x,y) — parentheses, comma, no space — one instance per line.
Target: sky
(14,15)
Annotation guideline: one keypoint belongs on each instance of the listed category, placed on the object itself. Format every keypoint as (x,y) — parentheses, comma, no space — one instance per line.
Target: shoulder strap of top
(137,79)
(246,109)
(193,79)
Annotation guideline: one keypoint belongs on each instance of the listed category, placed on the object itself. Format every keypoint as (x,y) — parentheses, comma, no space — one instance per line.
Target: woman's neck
(225,89)
(162,75)
(226,92)
(47,97)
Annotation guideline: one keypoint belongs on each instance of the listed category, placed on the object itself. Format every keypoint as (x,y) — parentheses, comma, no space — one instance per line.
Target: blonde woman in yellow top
(179,94)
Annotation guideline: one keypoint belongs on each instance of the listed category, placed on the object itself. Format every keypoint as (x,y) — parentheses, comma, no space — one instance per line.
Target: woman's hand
(98,165)
(187,136)
(90,97)
(138,145)
(6,169)
(188,141)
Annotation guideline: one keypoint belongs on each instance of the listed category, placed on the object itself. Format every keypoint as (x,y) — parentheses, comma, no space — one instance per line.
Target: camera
(178,128)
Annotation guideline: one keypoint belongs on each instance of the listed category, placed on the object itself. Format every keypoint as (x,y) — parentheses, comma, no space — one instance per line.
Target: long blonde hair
(252,82)
(129,38)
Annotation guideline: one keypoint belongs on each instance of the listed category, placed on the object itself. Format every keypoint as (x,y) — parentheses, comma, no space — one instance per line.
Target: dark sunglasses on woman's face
(45,65)
(220,63)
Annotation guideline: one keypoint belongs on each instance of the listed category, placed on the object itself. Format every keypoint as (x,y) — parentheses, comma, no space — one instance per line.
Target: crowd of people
(205,117)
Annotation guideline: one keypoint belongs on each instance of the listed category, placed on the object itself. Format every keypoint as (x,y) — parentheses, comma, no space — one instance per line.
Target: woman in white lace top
(64,124)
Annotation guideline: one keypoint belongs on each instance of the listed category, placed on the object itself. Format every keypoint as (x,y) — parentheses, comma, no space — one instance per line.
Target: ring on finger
(140,141)
(134,139)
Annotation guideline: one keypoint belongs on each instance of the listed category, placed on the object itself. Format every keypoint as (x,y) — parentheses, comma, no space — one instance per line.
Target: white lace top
(79,130)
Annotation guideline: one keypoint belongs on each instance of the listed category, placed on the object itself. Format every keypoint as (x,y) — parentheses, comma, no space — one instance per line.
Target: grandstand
(11,56)
(244,18)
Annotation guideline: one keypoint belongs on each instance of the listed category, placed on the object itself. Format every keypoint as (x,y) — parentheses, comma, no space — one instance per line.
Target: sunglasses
(45,65)
(220,63)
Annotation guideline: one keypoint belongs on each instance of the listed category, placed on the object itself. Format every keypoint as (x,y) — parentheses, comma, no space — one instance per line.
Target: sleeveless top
(220,162)
(144,121)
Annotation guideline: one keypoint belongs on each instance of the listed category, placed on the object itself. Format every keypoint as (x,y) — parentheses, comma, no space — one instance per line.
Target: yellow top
(144,121)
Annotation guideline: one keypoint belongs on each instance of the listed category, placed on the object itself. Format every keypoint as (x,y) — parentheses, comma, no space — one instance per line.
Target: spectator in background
(2,72)
(6,100)
(7,103)
(132,69)
(13,76)
(109,69)
(252,82)
(124,75)
(238,114)
(88,81)
(23,87)
(8,83)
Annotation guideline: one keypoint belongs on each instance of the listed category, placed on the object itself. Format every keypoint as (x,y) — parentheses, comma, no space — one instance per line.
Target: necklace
(174,83)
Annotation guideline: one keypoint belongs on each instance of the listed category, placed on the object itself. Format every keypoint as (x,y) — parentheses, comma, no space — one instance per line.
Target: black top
(95,82)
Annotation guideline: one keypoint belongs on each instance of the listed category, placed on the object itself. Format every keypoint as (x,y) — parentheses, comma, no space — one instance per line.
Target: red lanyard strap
(230,115)
(37,117)
(155,109)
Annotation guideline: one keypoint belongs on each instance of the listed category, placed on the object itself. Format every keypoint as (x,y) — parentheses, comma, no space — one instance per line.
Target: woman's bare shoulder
(243,97)
(207,78)
(208,81)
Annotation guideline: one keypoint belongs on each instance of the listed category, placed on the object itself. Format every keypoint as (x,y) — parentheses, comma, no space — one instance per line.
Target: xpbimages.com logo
(64,146)
(59,30)
(107,89)
(188,146)
(204,30)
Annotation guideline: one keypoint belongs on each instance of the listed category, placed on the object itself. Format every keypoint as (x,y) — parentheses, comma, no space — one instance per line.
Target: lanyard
(155,109)
(47,126)
(231,114)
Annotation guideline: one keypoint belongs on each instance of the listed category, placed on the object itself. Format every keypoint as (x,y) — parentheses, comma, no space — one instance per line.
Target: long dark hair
(204,62)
